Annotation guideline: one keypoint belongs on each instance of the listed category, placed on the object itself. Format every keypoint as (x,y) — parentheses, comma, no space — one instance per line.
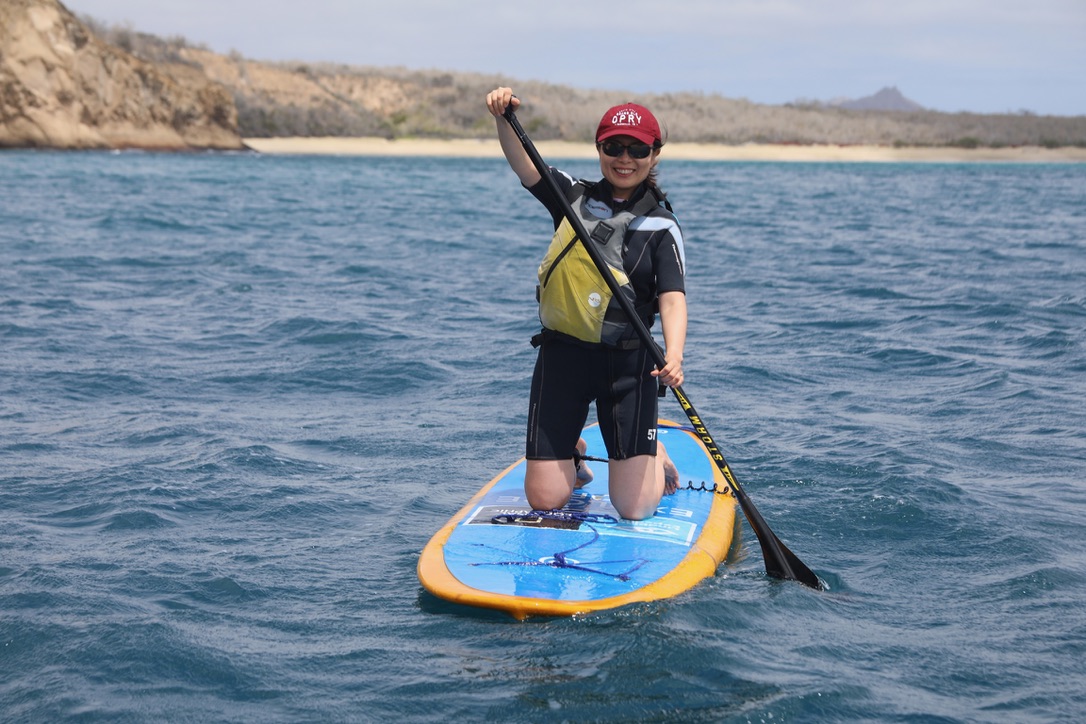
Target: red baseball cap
(629,119)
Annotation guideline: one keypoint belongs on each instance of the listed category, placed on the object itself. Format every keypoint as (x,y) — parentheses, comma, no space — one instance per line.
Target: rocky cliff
(62,87)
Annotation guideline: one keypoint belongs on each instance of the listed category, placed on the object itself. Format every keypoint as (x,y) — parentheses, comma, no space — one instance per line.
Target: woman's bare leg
(637,484)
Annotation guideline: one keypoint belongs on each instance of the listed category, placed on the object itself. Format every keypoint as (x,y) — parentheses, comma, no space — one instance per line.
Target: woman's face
(624,172)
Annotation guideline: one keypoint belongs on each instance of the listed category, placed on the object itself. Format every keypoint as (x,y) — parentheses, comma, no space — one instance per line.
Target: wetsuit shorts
(568,377)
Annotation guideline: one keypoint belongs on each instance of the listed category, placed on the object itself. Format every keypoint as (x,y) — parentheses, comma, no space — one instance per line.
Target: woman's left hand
(671,374)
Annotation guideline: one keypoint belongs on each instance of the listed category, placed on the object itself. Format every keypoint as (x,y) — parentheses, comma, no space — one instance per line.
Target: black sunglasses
(636,150)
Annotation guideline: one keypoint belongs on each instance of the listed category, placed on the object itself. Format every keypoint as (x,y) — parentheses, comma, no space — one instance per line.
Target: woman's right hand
(498,99)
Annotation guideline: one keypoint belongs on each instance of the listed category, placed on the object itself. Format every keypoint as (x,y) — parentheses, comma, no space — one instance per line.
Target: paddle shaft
(779,561)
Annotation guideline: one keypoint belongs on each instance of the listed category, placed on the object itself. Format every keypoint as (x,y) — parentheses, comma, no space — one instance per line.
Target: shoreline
(489,148)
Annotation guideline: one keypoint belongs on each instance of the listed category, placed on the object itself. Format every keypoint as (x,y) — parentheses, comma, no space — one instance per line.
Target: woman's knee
(548,484)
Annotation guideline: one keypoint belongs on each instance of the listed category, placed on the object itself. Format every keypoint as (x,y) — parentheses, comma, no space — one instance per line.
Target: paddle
(779,561)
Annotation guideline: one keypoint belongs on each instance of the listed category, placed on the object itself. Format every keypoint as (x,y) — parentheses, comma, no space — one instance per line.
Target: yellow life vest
(573,297)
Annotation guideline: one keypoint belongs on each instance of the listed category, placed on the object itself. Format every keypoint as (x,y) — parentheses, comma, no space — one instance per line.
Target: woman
(588,351)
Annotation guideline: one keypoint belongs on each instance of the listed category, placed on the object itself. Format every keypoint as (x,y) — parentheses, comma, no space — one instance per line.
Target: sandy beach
(488,148)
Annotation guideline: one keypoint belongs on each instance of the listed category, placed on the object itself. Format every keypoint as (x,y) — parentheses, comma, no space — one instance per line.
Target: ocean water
(239,393)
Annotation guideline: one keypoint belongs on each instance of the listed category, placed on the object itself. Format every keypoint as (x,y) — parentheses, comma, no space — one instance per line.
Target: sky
(983,56)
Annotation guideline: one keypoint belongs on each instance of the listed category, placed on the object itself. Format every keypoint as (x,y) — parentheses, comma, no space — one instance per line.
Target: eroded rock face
(61,87)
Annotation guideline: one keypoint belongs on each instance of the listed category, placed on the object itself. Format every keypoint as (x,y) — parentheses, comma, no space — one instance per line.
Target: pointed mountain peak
(887,99)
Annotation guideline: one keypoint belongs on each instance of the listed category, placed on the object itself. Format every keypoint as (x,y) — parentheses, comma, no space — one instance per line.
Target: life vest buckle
(602,233)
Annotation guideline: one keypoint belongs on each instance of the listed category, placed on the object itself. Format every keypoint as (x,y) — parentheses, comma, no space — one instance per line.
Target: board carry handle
(779,561)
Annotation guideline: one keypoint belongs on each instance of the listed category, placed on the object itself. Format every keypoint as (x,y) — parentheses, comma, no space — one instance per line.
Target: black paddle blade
(788,567)
(780,562)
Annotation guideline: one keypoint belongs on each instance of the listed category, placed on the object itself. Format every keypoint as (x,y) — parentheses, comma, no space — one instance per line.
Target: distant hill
(887,99)
(275,99)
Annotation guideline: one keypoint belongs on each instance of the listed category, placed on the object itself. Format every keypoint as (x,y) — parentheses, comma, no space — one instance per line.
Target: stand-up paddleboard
(497,553)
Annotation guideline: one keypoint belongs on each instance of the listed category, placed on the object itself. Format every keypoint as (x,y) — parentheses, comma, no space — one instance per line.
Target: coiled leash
(724,489)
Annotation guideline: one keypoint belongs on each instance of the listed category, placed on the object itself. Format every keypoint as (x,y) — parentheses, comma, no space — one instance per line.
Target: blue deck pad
(572,559)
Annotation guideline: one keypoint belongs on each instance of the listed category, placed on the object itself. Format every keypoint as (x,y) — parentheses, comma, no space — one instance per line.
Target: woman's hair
(653,186)
(652,182)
